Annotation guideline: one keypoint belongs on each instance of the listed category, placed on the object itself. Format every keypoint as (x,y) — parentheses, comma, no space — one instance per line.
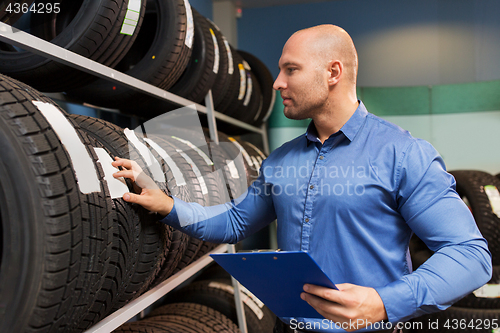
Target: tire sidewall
(22,263)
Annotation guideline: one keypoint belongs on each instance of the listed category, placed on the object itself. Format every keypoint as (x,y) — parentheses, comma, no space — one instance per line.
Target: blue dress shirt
(353,204)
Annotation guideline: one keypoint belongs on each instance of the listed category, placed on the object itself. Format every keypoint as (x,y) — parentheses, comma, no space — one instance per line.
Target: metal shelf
(127,312)
(26,41)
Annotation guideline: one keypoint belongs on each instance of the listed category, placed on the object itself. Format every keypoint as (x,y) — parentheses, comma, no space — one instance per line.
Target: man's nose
(279,83)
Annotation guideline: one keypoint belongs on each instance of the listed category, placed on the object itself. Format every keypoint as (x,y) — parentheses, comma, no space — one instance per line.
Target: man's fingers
(125,174)
(323,306)
(132,198)
(323,292)
(121,162)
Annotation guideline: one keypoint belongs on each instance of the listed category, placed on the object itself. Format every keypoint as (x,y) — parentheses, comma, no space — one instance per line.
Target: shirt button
(307,220)
(321,157)
(311,187)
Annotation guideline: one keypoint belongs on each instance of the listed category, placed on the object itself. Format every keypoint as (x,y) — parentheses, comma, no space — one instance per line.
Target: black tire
(232,153)
(449,321)
(471,187)
(266,82)
(256,155)
(8,10)
(177,187)
(252,164)
(207,316)
(149,239)
(213,272)
(204,249)
(159,56)
(252,104)
(223,79)
(170,324)
(91,28)
(219,295)
(62,237)
(201,71)
(209,181)
(235,95)
(195,194)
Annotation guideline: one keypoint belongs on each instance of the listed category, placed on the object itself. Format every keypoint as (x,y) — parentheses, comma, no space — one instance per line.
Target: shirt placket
(311,193)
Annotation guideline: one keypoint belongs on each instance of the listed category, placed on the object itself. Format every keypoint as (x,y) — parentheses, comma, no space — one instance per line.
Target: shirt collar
(350,128)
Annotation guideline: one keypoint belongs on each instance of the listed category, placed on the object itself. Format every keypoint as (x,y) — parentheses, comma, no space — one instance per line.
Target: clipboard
(277,279)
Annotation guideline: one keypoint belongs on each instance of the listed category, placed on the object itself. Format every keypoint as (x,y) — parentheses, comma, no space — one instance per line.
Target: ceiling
(268,3)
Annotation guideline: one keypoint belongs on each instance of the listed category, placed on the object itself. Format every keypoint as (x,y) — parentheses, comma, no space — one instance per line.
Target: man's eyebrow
(288,64)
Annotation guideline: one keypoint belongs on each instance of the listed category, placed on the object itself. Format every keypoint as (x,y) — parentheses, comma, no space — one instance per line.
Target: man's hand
(151,197)
(354,305)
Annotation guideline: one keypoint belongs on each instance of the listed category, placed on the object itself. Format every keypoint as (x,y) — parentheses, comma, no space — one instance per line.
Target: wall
(204,7)
(410,48)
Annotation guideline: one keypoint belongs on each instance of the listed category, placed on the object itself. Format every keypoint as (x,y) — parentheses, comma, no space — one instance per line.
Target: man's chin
(293,116)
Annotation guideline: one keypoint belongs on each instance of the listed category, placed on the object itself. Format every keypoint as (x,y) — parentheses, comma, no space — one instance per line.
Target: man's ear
(335,70)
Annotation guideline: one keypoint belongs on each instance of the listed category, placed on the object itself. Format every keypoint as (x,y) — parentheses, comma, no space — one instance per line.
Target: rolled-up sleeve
(431,207)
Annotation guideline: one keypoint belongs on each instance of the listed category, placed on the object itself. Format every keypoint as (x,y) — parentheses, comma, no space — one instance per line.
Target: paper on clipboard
(277,278)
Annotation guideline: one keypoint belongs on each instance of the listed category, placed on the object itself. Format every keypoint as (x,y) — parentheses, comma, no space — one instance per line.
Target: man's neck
(332,120)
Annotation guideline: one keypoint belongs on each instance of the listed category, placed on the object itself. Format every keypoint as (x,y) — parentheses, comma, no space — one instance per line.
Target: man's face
(302,80)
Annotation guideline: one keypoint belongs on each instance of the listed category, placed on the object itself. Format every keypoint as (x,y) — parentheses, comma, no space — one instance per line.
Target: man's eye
(290,70)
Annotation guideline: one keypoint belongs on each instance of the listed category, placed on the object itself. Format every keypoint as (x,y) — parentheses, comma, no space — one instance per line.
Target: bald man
(351,191)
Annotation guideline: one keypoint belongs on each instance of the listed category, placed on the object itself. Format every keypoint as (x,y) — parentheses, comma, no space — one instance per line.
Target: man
(351,192)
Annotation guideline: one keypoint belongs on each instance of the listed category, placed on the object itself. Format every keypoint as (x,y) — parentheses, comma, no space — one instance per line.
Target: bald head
(328,43)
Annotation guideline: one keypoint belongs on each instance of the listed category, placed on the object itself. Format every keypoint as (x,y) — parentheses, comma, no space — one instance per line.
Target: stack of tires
(182,317)
(214,289)
(480,310)
(72,250)
(167,44)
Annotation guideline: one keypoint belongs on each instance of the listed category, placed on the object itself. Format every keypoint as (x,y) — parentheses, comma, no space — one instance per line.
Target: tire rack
(26,41)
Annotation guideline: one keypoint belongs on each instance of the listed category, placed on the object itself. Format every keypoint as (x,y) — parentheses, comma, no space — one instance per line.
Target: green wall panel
(468,97)
(396,101)
(418,100)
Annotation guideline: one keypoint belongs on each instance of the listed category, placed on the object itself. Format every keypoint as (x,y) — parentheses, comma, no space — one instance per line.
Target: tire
(62,237)
(201,71)
(194,188)
(219,295)
(266,81)
(148,239)
(91,28)
(209,181)
(234,96)
(159,57)
(223,79)
(256,155)
(207,316)
(470,187)
(214,272)
(251,163)
(238,184)
(170,324)
(179,188)
(252,104)
(453,317)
